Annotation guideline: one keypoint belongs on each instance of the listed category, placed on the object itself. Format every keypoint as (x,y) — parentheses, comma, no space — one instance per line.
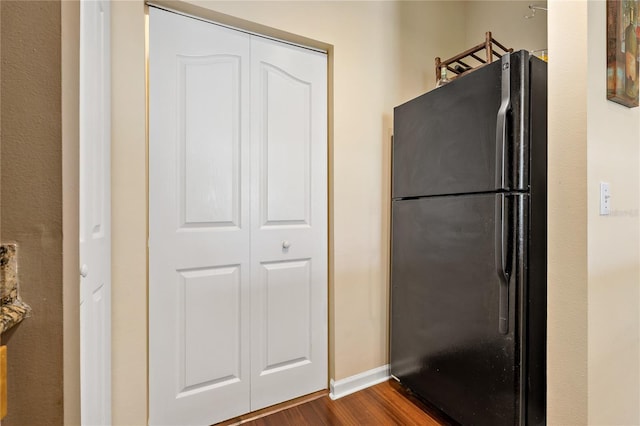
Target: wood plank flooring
(383,404)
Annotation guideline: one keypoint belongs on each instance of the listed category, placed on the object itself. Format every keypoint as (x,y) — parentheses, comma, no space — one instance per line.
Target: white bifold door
(237,221)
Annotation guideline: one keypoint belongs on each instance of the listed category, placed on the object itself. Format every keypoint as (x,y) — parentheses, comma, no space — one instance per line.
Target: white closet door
(95,213)
(288,222)
(238,221)
(199,228)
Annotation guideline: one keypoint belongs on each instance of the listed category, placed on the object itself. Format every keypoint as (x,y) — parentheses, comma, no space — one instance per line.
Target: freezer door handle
(502,262)
(501,123)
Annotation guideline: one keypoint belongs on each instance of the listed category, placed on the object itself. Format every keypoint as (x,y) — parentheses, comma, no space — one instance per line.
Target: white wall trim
(349,385)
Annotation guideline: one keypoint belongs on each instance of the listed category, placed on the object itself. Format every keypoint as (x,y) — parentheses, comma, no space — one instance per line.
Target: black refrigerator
(469,245)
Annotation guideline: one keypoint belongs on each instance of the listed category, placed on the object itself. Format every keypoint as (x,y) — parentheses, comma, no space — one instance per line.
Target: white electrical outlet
(605,199)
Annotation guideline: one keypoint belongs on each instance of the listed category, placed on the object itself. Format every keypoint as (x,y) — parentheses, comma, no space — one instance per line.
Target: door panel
(95,218)
(199,204)
(287,319)
(445,299)
(209,139)
(289,222)
(287,143)
(238,221)
(209,296)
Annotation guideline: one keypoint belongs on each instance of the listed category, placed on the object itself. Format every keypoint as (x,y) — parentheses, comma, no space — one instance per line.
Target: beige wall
(567,218)
(505,20)
(31,205)
(613,150)
(128,215)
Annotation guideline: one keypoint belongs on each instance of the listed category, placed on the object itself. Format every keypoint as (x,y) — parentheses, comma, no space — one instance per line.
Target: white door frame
(95,211)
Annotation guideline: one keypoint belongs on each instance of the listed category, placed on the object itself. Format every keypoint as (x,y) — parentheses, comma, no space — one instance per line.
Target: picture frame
(623,52)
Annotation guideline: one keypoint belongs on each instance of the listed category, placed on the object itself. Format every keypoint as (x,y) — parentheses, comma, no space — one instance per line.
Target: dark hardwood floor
(383,404)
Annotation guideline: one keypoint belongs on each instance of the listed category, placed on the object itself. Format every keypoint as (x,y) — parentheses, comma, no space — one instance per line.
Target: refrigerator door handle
(501,123)
(502,263)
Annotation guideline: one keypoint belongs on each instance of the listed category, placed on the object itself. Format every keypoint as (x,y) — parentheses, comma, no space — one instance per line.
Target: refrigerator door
(454,298)
(466,136)
(537,251)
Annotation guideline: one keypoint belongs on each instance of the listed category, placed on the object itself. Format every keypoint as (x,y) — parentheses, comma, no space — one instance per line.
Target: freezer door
(454,298)
(467,136)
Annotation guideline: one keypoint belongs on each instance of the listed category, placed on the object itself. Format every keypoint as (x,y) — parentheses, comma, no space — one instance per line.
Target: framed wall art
(623,54)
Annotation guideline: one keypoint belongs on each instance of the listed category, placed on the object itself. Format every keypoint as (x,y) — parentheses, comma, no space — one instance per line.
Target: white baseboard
(349,385)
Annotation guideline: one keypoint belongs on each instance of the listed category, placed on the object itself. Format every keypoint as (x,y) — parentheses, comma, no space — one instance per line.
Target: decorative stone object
(12,308)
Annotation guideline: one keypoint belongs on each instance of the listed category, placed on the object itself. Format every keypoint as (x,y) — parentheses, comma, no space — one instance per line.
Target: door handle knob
(286,244)
(84,271)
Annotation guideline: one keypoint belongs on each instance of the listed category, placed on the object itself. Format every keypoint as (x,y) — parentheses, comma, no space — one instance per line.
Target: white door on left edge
(237,221)
(95,213)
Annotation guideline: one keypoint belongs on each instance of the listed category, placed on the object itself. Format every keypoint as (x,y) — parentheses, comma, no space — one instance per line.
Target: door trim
(70,98)
(96,116)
